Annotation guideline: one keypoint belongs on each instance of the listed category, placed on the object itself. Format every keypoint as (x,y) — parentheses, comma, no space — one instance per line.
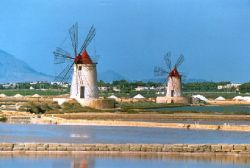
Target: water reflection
(122,160)
(82,164)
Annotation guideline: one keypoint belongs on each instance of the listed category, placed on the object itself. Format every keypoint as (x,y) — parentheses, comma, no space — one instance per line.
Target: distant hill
(15,70)
(110,76)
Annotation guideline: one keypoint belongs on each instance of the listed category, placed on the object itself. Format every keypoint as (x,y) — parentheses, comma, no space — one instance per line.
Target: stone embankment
(221,149)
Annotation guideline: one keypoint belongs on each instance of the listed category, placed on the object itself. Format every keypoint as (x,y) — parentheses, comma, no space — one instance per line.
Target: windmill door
(172,93)
(82,91)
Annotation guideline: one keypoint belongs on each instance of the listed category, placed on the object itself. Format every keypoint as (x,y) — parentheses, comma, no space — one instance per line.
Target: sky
(132,36)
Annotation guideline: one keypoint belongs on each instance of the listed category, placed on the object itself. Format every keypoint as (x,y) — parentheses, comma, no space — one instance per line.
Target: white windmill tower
(174,82)
(84,78)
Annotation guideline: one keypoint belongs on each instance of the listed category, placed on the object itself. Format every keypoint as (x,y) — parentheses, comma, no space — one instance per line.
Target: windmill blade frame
(88,38)
(95,58)
(73,32)
(163,83)
(159,71)
(65,74)
(167,59)
(179,61)
(61,55)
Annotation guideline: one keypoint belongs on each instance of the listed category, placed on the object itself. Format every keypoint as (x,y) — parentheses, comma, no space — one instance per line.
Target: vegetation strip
(242,149)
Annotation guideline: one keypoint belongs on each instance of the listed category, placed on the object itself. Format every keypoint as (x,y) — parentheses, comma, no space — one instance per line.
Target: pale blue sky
(133,35)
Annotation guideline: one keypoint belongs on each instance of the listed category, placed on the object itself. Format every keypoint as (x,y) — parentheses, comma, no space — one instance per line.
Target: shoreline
(152,116)
(61,121)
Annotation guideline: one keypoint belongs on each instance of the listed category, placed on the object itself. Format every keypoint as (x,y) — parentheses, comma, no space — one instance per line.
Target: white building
(116,89)
(103,88)
(141,88)
(32,88)
(229,86)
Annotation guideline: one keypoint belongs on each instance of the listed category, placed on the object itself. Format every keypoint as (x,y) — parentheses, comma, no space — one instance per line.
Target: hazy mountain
(15,70)
(110,76)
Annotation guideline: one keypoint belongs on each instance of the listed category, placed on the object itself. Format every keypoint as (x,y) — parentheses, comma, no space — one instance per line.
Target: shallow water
(219,109)
(107,134)
(105,161)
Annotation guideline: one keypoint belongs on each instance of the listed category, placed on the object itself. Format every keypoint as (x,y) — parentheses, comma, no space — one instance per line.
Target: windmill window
(80,68)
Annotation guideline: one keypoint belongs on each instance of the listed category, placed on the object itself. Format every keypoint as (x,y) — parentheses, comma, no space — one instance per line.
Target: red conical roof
(174,73)
(83,58)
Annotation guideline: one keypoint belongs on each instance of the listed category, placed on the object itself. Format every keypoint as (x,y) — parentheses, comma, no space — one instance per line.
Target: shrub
(3,119)
(40,107)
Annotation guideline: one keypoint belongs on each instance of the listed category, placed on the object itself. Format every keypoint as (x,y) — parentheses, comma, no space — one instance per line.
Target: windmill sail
(80,67)
(61,56)
(179,61)
(73,31)
(65,74)
(88,39)
(167,58)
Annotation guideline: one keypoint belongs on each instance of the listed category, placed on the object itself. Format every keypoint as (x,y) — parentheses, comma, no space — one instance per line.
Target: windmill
(79,65)
(174,86)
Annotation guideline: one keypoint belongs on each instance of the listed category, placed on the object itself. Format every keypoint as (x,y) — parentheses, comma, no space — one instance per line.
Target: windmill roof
(83,58)
(174,73)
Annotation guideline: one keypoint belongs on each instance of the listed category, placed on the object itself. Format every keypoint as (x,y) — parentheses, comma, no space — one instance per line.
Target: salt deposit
(112,97)
(220,98)
(238,98)
(139,96)
(2,95)
(36,95)
(246,98)
(18,95)
(242,98)
(200,97)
